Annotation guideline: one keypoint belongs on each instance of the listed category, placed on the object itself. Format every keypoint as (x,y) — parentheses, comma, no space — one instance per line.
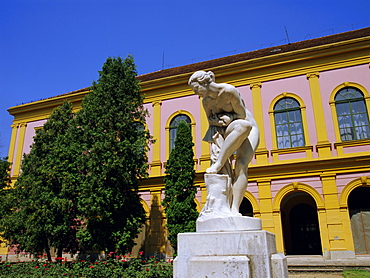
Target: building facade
(309,181)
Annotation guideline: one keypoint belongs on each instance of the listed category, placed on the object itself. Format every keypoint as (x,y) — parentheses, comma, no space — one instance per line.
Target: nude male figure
(228,116)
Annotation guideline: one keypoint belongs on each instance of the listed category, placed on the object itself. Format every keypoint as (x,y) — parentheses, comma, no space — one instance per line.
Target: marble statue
(232,130)
(227,244)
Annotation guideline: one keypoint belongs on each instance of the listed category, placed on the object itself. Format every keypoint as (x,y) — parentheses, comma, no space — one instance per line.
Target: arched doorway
(300,223)
(246,208)
(359,212)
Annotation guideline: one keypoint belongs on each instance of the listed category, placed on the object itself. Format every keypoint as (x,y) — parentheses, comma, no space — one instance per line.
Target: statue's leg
(243,156)
(236,133)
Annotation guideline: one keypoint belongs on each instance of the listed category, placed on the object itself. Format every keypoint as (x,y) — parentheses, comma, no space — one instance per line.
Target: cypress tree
(40,210)
(179,204)
(4,188)
(113,146)
(4,173)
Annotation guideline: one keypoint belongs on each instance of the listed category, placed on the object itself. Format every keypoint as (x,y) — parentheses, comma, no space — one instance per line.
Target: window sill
(352,143)
(292,150)
(351,148)
(292,154)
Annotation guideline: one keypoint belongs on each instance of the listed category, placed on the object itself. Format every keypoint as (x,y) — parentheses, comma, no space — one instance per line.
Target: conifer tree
(4,189)
(4,184)
(113,145)
(40,210)
(4,173)
(179,204)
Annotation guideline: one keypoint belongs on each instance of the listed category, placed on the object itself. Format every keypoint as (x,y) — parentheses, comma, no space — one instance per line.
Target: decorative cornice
(255,85)
(263,181)
(327,176)
(157,103)
(365,180)
(295,185)
(313,75)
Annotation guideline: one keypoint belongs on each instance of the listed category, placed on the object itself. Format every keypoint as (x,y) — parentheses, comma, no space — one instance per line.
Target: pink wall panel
(355,149)
(313,182)
(253,189)
(297,155)
(190,104)
(30,133)
(331,79)
(343,180)
(149,123)
(246,93)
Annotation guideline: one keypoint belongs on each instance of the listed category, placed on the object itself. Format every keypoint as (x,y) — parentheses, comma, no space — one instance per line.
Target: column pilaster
(156,164)
(265,198)
(323,145)
(13,138)
(19,149)
(261,152)
(337,238)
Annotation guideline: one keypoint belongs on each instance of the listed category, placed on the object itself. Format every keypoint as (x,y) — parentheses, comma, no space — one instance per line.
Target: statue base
(227,244)
(242,254)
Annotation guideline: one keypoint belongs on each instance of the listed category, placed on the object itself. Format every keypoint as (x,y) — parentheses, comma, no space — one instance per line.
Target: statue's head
(199,82)
(201,76)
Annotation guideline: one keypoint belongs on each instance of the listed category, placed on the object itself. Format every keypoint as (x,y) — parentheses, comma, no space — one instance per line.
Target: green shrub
(114,267)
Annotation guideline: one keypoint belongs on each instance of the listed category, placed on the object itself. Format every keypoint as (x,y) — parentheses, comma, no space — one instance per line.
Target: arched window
(353,120)
(173,127)
(288,123)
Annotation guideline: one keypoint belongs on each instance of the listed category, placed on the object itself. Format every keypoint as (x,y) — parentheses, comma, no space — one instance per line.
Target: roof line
(270,51)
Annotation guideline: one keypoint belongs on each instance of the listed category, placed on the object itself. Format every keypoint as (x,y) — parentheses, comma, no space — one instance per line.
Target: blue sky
(50,47)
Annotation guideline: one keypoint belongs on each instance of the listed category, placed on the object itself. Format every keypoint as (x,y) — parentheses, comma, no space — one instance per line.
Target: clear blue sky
(50,47)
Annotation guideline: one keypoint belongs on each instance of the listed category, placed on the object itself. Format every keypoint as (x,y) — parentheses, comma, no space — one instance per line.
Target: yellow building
(309,181)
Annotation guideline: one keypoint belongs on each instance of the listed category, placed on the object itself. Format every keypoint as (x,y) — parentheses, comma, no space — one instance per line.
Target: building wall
(321,174)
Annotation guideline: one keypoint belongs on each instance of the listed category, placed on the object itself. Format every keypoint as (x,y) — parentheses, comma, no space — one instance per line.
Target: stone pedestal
(227,244)
(247,254)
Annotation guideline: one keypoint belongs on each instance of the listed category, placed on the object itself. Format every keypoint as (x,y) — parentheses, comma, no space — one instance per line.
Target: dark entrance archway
(300,223)
(246,208)
(359,211)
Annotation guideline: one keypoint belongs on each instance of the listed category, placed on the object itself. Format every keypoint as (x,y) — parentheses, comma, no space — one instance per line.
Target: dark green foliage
(78,189)
(4,173)
(40,210)
(180,191)
(4,187)
(113,146)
